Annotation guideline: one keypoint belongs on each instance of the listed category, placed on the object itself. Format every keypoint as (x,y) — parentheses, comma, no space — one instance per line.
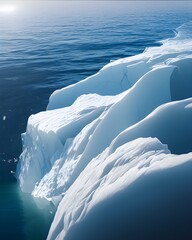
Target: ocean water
(48,45)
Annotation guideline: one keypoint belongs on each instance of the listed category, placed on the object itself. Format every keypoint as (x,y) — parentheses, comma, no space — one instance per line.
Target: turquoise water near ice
(48,45)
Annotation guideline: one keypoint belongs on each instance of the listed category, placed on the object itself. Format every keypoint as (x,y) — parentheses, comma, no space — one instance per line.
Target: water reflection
(22,216)
(38,215)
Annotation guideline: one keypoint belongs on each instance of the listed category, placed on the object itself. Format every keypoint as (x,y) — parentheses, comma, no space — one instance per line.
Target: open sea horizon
(45,46)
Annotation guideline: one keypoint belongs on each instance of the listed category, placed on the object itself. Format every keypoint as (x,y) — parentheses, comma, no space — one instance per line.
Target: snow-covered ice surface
(106,144)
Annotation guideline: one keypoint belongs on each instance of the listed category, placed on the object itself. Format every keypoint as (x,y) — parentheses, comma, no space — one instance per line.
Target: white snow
(107,184)
(171,123)
(110,138)
(48,132)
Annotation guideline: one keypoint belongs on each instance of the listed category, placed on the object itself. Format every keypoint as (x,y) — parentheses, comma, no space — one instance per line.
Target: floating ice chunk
(86,153)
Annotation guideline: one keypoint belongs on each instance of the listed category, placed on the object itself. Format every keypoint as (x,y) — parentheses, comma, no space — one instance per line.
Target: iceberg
(106,144)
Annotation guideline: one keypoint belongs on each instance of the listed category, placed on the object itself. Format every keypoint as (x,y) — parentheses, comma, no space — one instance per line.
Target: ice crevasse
(116,148)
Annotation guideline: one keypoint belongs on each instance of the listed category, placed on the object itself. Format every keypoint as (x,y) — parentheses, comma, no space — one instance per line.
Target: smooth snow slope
(114,195)
(113,138)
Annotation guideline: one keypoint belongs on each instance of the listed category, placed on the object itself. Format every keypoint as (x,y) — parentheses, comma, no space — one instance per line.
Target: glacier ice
(110,196)
(113,137)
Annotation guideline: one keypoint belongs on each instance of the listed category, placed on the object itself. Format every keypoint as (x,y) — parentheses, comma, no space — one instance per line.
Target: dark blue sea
(49,45)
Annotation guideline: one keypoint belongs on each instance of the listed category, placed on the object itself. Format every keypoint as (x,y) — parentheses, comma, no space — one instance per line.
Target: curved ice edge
(107,186)
(90,121)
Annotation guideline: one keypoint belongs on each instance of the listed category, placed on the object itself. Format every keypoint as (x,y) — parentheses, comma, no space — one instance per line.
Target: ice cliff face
(112,138)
